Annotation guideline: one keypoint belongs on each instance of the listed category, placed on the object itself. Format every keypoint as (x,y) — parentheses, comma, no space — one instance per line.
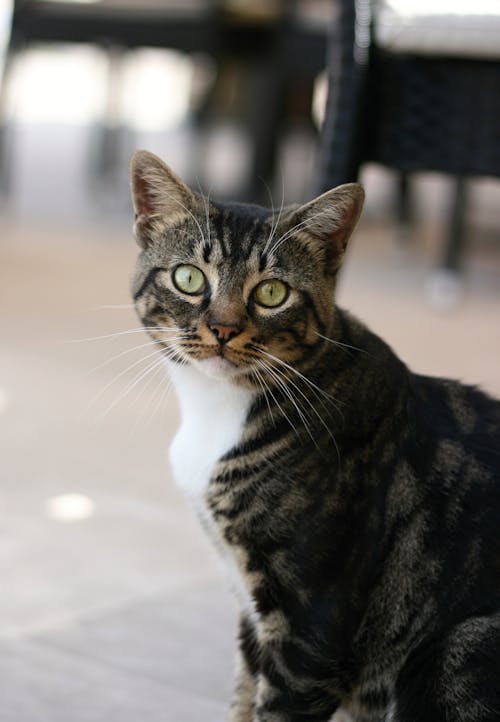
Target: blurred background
(111,603)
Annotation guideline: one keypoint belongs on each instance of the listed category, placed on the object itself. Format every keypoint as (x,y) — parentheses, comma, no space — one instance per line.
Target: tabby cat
(355,504)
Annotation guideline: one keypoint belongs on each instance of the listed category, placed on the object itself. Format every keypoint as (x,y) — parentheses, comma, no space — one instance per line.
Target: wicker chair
(409,111)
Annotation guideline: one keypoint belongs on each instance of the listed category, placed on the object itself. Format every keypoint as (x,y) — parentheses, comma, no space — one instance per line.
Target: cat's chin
(217,367)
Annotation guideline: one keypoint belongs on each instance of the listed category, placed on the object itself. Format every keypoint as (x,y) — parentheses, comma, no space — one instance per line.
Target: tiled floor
(124,615)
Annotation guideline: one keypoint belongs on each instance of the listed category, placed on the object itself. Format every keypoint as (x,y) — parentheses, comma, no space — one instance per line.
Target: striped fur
(357,503)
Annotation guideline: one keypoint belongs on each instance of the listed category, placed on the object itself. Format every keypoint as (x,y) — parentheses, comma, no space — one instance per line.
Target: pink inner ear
(143,200)
(339,237)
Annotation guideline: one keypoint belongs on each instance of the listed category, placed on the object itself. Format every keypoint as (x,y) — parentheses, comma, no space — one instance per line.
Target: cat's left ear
(158,195)
(329,221)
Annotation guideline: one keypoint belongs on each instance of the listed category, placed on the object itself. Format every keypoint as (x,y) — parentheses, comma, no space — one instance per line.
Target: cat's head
(239,291)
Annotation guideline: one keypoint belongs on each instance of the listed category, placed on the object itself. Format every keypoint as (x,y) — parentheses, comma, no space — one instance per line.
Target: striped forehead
(235,240)
(253,234)
(239,232)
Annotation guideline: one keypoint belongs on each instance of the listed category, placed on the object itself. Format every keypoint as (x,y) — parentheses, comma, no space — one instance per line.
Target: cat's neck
(366,377)
(213,414)
(205,396)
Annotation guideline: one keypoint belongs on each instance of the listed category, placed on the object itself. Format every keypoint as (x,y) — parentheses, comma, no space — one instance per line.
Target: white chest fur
(213,413)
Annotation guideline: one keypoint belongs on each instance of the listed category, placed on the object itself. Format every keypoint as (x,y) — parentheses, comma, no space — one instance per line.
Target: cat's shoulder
(469,405)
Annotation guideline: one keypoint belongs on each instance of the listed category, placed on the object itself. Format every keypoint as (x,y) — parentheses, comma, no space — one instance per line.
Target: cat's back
(454,420)
(455,455)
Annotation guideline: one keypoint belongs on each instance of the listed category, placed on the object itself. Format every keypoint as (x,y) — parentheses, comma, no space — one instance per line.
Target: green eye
(271,293)
(189,279)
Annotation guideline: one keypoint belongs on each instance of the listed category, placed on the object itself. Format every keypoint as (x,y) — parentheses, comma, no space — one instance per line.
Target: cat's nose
(224,332)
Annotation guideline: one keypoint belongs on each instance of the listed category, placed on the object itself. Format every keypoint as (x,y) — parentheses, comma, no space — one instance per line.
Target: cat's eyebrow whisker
(176,200)
(206,204)
(275,225)
(291,231)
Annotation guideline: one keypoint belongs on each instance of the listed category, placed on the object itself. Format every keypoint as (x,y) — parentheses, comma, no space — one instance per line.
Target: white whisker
(276,223)
(117,334)
(315,410)
(176,200)
(288,392)
(112,306)
(296,372)
(119,355)
(341,344)
(159,369)
(283,413)
(291,231)
(206,204)
(262,384)
(132,384)
(168,385)
(120,375)
(319,393)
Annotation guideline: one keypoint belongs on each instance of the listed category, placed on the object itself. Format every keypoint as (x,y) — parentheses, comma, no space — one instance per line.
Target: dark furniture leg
(405,207)
(452,255)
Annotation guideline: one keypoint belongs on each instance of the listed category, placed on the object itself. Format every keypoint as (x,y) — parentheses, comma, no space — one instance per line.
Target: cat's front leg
(291,683)
(247,668)
(245,689)
(284,701)
(453,678)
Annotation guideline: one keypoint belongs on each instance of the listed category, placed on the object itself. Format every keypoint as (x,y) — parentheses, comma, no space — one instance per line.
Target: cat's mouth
(223,355)
(220,361)
(217,366)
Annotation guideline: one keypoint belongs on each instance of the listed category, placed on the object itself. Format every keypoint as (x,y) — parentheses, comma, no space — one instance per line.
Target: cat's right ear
(158,195)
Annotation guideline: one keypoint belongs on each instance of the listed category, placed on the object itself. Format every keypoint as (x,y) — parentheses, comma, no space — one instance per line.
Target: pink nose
(224,332)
